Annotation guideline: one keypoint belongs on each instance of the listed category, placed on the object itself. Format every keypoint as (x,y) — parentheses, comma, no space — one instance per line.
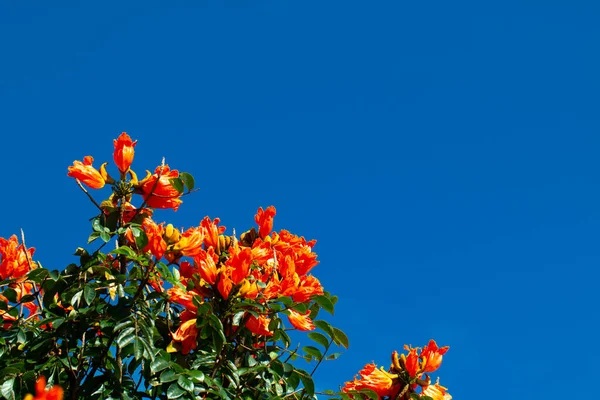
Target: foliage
(168,313)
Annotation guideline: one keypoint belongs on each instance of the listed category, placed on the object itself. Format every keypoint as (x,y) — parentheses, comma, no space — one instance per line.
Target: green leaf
(10,294)
(196,375)
(89,294)
(177,183)
(105,236)
(7,389)
(138,348)
(285,300)
(174,391)
(325,327)
(159,364)
(187,179)
(313,351)
(38,274)
(125,251)
(340,337)
(124,340)
(309,385)
(371,394)
(141,241)
(293,380)
(93,236)
(168,375)
(27,298)
(319,338)
(97,225)
(325,303)
(185,383)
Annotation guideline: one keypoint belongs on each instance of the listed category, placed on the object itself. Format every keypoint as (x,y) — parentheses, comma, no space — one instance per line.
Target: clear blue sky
(444,155)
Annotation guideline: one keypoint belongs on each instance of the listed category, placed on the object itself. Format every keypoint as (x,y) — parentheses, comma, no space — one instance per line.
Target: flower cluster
(261,266)
(157,189)
(407,376)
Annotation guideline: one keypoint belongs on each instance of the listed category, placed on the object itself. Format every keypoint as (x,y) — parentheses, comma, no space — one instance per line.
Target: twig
(89,195)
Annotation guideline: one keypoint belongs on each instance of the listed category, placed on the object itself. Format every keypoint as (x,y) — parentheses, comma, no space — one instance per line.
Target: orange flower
(206,263)
(301,321)
(259,326)
(380,381)
(123,154)
(432,356)
(411,361)
(14,262)
(211,232)
(187,335)
(86,173)
(183,297)
(159,192)
(238,263)
(264,219)
(190,243)
(436,392)
(54,393)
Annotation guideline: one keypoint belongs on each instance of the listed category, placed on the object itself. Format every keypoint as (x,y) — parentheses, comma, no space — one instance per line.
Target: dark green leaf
(293,380)
(325,327)
(168,375)
(340,337)
(196,375)
(187,179)
(138,348)
(325,303)
(319,338)
(309,385)
(185,383)
(177,183)
(371,394)
(159,364)
(27,298)
(174,391)
(38,274)
(313,351)
(10,294)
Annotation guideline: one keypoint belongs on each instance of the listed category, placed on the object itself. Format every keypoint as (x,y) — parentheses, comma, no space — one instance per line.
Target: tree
(172,313)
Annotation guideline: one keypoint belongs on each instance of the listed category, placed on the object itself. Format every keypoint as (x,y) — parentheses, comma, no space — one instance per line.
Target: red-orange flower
(376,379)
(14,261)
(159,192)
(187,335)
(190,243)
(432,356)
(238,263)
(86,173)
(206,263)
(264,219)
(123,154)
(301,321)
(259,326)
(436,392)
(211,232)
(54,393)
(411,361)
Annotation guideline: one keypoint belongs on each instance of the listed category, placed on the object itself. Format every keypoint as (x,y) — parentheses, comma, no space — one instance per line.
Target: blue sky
(443,154)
